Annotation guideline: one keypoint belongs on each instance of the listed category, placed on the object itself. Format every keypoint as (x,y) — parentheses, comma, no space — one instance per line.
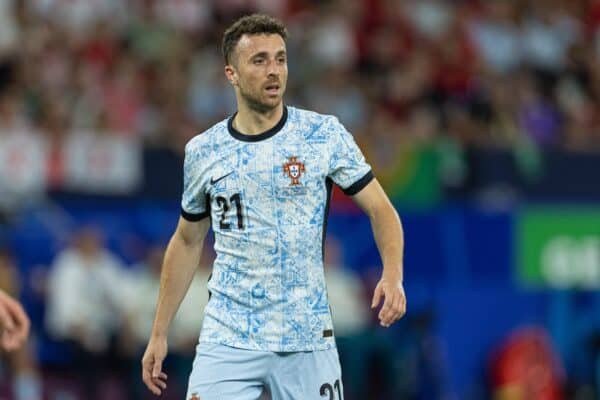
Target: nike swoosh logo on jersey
(213,180)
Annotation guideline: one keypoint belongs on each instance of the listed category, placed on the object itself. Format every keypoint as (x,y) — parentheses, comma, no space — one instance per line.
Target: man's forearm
(180,263)
(387,230)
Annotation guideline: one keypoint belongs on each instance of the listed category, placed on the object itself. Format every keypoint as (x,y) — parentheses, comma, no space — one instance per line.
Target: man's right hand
(152,374)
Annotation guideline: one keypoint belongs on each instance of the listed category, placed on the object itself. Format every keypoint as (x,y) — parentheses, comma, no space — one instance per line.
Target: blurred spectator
(346,294)
(84,292)
(9,28)
(22,158)
(525,366)
(332,94)
(548,33)
(351,322)
(538,117)
(331,39)
(496,34)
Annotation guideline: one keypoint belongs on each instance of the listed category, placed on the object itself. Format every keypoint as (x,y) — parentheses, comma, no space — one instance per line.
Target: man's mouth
(272,88)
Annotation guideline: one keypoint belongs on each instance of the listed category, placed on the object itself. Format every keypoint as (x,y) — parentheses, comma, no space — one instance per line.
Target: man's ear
(231,74)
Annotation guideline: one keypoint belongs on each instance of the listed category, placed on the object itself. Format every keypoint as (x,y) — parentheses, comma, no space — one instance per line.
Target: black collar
(258,137)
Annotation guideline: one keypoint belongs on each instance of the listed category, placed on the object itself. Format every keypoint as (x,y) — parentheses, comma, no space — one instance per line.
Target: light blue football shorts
(221,372)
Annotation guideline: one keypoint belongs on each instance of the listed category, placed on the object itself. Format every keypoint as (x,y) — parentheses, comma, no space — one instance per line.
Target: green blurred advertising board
(558,247)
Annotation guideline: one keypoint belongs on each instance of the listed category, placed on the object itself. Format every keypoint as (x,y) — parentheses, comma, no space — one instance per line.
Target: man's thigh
(314,375)
(224,373)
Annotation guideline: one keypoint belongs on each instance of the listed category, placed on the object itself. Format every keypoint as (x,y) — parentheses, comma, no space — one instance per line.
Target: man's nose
(273,69)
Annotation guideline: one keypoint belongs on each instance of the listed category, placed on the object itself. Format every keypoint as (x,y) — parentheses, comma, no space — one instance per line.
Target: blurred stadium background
(480,118)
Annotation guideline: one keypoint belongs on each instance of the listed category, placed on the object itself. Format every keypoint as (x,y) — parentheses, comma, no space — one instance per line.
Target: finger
(151,385)
(18,314)
(157,369)
(402,305)
(6,321)
(376,296)
(386,313)
(20,323)
(159,382)
(147,377)
(10,341)
(394,310)
(14,338)
(398,308)
(23,323)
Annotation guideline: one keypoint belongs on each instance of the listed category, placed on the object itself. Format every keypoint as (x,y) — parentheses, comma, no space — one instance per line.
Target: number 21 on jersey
(235,201)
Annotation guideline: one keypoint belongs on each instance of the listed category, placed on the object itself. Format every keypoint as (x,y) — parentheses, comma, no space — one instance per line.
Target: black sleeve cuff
(359,184)
(194,217)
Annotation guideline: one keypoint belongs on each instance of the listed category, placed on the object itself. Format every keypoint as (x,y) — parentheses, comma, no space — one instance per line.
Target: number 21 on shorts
(328,390)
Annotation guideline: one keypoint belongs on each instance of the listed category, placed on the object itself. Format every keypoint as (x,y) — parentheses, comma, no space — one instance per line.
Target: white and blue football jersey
(267,196)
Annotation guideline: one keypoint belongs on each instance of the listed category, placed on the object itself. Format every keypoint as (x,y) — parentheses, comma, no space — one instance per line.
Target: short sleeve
(194,203)
(348,167)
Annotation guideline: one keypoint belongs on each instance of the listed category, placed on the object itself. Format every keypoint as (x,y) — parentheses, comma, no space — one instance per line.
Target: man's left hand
(394,306)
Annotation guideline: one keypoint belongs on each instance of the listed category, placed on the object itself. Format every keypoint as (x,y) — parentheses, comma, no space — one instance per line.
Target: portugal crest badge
(294,169)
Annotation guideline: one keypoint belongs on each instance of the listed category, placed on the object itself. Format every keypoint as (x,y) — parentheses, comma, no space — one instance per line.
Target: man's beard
(255,103)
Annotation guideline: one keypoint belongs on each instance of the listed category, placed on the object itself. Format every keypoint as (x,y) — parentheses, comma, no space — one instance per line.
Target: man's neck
(252,122)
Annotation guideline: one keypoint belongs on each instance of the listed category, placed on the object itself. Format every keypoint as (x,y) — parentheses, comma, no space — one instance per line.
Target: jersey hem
(274,348)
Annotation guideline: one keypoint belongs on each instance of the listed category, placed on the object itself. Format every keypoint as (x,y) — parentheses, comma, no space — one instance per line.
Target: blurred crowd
(95,317)
(490,73)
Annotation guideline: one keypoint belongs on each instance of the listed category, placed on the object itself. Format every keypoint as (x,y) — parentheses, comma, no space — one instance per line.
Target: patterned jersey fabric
(267,196)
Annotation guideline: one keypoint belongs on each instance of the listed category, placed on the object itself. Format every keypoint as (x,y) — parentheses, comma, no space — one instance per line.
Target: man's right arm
(181,261)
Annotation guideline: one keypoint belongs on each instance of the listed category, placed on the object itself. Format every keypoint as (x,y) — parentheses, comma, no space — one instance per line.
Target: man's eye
(258,60)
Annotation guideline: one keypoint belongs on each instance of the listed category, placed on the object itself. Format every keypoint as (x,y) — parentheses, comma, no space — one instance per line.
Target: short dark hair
(254,24)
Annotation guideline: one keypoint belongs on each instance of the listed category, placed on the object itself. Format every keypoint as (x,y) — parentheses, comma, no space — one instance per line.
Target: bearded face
(259,70)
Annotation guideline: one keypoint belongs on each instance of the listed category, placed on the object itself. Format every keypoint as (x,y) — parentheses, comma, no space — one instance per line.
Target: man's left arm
(389,237)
